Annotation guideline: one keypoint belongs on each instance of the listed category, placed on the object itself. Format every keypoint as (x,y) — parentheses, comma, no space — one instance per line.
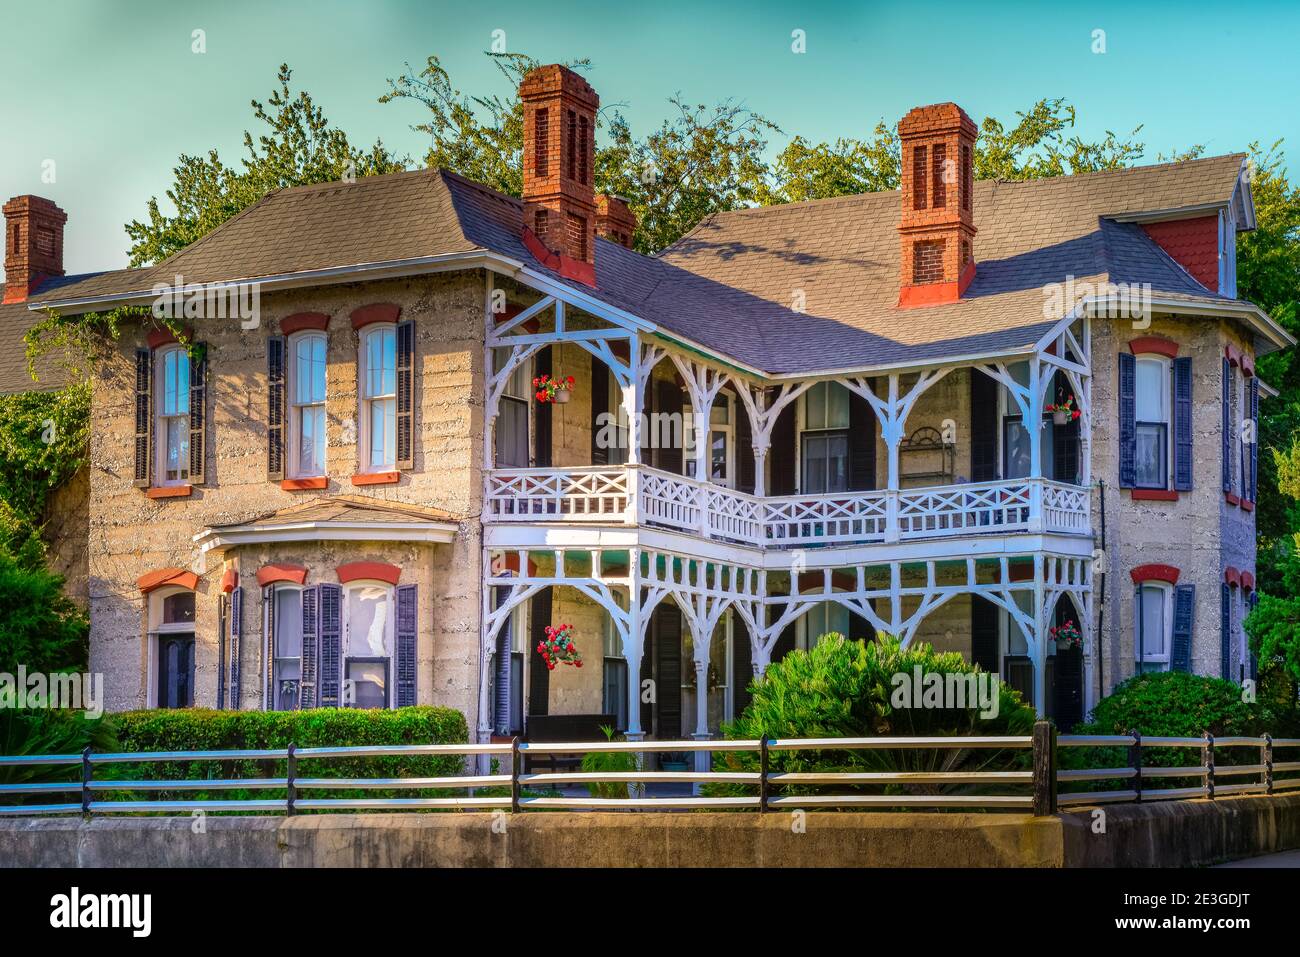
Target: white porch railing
(677,502)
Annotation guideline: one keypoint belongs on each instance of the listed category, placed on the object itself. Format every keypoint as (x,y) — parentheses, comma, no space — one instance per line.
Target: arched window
(1153,626)
(378,398)
(171,648)
(172,412)
(1152,403)
(369,629)
(306,390)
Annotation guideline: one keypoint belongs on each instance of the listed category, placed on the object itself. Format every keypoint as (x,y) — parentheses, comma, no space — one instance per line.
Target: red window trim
(161,577)
(229,580)
(1247,581)
(1154,572)
(1232,355)
(1247,505)
(300,321)
(301,484)
(510,563)
(281,572)
(1232,577)
(375,312)
(376,478)
(1157,345)
(369,571)
(164,336)
(169,491)
(1232,498)
(1154,495)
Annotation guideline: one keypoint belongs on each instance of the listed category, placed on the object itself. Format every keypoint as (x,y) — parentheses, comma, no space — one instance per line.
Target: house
(826,416)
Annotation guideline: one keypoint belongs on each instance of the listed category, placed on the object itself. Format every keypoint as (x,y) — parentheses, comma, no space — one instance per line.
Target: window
(287,656)
(368,639)
(512,415)
(1153,627)
(822,619)
(824,451)
(1227,253)
(718,703)
(171,637)
(1151,462)
(720,451)
(614,697)
(379,398)
(1236,448)
(172,429)
(307,438)
(1017,456)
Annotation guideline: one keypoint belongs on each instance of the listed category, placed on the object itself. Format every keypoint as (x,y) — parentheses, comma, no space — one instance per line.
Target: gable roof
(734,285)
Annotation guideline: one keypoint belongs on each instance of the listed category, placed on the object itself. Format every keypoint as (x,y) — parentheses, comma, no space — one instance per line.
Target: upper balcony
(641,495)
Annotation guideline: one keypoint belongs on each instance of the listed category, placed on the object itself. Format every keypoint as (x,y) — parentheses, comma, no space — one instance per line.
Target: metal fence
(1035,787)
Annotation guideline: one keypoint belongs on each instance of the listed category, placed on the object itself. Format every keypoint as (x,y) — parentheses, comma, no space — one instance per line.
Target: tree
(1274,625)
(297,147)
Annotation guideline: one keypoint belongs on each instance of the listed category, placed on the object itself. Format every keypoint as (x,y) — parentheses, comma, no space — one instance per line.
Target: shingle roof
(731,284)
(350,509)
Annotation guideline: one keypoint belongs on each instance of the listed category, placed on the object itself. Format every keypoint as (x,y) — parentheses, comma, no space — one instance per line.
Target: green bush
(618,762)
(844,688)
(207,730)
(40,628)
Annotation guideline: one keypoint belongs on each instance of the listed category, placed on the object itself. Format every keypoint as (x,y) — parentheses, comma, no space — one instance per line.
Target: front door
(1067,674)
(175,671)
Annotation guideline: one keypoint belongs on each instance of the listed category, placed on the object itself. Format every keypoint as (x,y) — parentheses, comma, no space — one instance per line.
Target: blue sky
(113,94)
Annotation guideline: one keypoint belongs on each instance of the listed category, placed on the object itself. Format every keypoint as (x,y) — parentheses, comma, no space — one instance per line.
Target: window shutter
(1127,420)
(668,674)
(539,676)
(785,642)
(744,455)
(781,455)
(405,395)
(1183,424)
(1225,429)
(599,406)
(275,400)
(542,414)
(310,649)
(502,691)
(862,444)
(1065,441)
(983,427)
(198,411)
(1254,438)
(1181,653)
(268,649)
(742,668)
(236,634)
(984,634)
(143,417)
(669,400)
(330,605)
(1225,630)
(406,645)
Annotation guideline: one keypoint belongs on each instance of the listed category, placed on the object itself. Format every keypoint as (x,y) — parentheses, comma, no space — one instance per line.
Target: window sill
(376,478)
(170,491)
(299,484)
(1154,495)
(1231,498)
(1247,505)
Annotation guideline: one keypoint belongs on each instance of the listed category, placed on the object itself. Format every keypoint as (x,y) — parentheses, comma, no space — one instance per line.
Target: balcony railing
(642,495)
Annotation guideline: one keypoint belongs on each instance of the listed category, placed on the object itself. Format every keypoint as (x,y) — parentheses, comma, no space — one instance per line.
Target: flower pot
(562,396)
(1064,645)
(1060,418)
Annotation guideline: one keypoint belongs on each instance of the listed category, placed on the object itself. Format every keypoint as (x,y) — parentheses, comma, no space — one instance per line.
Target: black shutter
(1225,631)
(742,667)
(143,418)
(668,670)
(539,676)
(542,415)
(1127,420)
(1226,426)
(860,628)
(310,647)
(984,634)
(198,411)
(331,640)
(983,427)
(781,456)
(862,444)
(1065,440)
(236,634)
(668,402)
(275,399)
(268,650)
(1181,655)
(599,407)
(785,642)
(405,401)
(502,695)
(407,621)
(1183,424)
(1254,438)
(223,622)
(744,448)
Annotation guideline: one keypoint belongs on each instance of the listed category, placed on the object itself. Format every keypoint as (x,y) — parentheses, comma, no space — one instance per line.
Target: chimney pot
(615,220)
(33,245)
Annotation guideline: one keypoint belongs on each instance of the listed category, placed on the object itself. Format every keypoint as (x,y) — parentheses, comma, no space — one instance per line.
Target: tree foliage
(43,438)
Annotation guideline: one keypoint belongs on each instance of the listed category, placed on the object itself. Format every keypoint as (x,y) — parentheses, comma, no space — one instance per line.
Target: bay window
(172,425)
(1152,403)
(379,398)
(307,439)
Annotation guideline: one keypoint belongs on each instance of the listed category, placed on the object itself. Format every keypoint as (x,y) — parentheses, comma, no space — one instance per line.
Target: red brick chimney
(559,166)
(938,226)
(33,245)
(615,220)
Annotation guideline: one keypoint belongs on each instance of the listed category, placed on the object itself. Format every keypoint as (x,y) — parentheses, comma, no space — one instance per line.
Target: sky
(103,96)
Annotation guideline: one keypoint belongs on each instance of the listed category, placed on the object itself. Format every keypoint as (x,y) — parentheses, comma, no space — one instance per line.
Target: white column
(632,638)
(1040,637)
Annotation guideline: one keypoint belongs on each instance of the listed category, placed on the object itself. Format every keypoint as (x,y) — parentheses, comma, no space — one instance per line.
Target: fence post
(1209,765)
(514,774)
(1044,768)
(1135,762)
(1267,761)
(85,781)
(290,775)
(763,787)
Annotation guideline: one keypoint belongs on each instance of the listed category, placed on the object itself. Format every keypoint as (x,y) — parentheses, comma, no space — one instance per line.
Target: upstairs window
(1152,402)
(379,398)
(824,447)
(172,427)
(307,438)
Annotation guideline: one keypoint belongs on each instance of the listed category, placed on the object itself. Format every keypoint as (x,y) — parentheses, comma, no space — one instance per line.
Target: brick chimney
(615,220)
(937,226)
(33,245)
(559,166)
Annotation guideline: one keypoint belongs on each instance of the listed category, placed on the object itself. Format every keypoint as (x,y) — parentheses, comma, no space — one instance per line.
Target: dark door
(667,632)
(1067,675)
(1065,439)
(539,676)
(175,671)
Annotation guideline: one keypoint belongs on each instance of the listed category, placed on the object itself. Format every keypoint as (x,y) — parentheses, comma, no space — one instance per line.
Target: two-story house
(960,412)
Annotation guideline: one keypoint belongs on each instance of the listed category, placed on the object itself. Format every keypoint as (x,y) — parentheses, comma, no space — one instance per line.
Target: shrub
(30,731)
(624,762)
(40,628)
(843,688)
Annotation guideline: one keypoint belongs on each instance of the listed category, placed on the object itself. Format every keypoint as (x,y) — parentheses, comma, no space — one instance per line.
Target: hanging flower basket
(1067,636)
(1063,410)
(555,390)
(557,648)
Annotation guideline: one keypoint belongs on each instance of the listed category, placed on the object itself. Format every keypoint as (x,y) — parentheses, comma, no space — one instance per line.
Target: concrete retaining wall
(1183,834)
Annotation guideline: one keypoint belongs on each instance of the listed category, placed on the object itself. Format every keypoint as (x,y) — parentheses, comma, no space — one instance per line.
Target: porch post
(632,636)
(1034,425)
(1040,638)
(633,401)
(891,430)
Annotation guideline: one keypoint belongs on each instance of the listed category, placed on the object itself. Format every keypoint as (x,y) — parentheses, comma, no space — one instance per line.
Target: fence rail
(1034,787)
